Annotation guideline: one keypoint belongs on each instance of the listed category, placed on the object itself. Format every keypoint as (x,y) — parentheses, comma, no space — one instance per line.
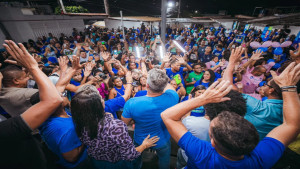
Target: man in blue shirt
(146,110)
(234,140)
(176,67)
(218,51)
(207,55)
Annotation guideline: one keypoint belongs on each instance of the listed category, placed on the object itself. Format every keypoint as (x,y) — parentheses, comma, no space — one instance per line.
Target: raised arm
(256,56)
(49,97)
(87,71)
(172,116)
(290,128)
(234,58)
(66,73)
(128,89)
(183,62)
(144,68)
(165,60)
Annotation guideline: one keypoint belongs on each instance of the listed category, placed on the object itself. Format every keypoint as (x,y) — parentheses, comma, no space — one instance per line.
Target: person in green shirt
(192,77)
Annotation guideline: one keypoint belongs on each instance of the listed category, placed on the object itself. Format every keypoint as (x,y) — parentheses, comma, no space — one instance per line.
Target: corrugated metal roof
(138,18)
(86,14)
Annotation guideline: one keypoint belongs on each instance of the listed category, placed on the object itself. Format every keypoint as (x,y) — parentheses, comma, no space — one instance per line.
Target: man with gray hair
(145,112)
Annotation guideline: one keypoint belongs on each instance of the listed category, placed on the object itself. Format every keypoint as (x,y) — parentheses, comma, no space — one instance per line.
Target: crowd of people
(225,102)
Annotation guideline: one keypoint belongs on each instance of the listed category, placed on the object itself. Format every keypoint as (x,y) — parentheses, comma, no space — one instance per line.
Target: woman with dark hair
(108,141)
(207,79)
(118,90)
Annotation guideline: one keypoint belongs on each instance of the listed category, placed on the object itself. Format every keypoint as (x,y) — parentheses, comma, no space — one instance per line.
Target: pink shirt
(250,82)
(212,64)
(102,90)
(269,66)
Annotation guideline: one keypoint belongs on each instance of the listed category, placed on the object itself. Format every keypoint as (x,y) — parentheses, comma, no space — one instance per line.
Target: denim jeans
(181,163)
(163,154)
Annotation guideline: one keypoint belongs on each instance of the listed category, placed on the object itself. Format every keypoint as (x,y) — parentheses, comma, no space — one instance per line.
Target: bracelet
(288,87)
(289,90)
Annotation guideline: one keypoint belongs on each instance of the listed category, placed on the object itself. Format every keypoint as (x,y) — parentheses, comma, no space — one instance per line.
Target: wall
(23,27)
(114,23)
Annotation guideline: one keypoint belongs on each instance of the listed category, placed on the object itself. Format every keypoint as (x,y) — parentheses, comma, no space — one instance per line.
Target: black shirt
(19,149)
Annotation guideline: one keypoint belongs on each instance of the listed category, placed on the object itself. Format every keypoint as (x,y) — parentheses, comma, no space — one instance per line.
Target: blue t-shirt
(172,74)
(145,111)
(73,82)
(202,155)
(60,137)
(113,105)
(199,82)
(198,112)
(141,93)
(115,70)
(218,53)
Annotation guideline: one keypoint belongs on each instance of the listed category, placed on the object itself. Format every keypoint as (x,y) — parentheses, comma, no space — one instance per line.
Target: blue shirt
(113,105)
(198,112)
(218,53)
(199,82)
(120,92)
(202,155)
(141,93)
(205,58)
(60,137)
(171,74)
(264,115)
(145,111)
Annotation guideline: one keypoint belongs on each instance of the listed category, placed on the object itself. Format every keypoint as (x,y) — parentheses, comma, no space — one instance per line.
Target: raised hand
(76,63)
(20,55)
(289,77)
(88,69)
(216,92)
(295,54)
(129,77)
(37,57)
(105,56)
(181,60)
(63,63)
(256,55)
(150,142)
(236,54)
(167,57)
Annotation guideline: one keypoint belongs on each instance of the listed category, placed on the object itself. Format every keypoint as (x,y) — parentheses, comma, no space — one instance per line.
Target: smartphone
(177,79)
(130,49)
(103,43)
(173,50)
(115,52)
(157,37)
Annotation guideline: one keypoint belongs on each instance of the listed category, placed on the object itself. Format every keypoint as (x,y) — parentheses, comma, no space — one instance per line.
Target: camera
(135,84)
(102,75)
